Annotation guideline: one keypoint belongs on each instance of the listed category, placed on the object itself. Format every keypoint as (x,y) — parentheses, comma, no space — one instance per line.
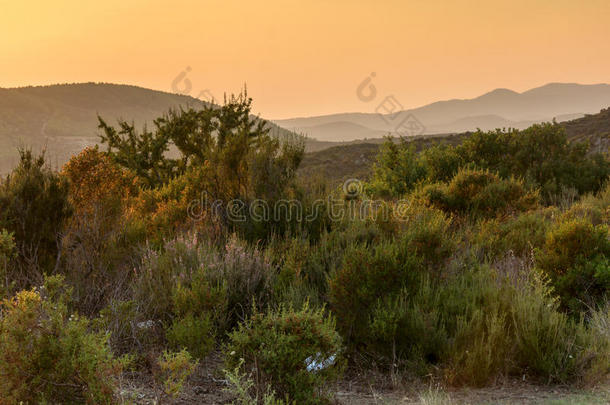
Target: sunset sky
(302,58)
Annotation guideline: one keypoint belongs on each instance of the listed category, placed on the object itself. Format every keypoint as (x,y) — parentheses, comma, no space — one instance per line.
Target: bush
(7,252)
(194,333)
(161,270)
(407,330)
(174,370)
(397,169)
(247,275)
(576,257)
(295,353)
(199,315)
(366,275)
(480,193)
(241,387)
(99,239)
(34,207)
(520,234)
(48,355)
(427,234)
(548,344)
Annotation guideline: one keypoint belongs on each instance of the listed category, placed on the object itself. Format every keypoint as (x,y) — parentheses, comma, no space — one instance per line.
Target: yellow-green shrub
(576,257)
(49,355)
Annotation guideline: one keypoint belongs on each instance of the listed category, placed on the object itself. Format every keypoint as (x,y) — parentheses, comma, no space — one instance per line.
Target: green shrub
(408,330)
(241,387)
(397,169)
(480,193)
(520,235)
(280,346)
(48,355)
(175,369)
(34,206)
(366,275)
(549,345)
(427,234)
(161,270)
(576,257)
(194,333)
(7,252)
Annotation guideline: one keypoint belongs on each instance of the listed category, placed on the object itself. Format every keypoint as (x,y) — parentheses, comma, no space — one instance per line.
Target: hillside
(63,118)
(355,159)
(498,108)
(593,128)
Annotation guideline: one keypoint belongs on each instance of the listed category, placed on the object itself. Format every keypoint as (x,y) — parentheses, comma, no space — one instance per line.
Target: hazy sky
(307,57)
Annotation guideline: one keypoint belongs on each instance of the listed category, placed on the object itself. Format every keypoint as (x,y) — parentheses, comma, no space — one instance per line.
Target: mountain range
(500,108)
(63,118)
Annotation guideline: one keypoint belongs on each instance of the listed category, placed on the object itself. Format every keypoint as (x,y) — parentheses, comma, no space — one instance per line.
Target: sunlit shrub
(296,353)
(480,193)
(576,257)
(48,355)
(100,238)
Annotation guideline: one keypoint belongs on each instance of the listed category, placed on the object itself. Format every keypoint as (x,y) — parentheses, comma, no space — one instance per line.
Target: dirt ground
(207,386)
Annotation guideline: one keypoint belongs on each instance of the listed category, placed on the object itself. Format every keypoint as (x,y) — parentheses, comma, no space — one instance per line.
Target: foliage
(7,252)
(247,275)
(241,388)
(542,155)
(366,275)
(408,329)
(49,355)
(520,234)
(99,238)
(175,369)
(34,206)
(280,345)
(397,169)
(576,256)
(480,194)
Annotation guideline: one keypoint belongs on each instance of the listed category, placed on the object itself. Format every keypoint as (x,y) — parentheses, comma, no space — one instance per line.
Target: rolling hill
(63,118)
(496,109)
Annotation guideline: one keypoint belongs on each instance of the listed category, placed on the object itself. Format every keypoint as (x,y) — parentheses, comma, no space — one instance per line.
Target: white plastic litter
(317,362)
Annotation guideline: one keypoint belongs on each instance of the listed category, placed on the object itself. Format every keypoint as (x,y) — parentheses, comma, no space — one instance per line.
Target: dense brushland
(466,262)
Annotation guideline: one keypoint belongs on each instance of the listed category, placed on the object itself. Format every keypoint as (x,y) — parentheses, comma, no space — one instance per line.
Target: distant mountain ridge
(495,109)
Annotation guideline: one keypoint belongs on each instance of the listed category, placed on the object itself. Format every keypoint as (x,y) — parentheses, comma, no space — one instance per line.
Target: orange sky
(307,57)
